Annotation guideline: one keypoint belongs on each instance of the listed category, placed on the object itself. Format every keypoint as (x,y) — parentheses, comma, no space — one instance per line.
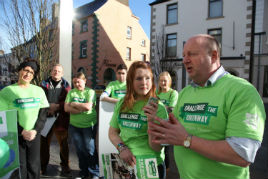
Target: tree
(160,62)
(32,31)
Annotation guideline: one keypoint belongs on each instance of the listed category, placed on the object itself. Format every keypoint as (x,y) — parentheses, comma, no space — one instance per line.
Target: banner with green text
(114,167)
(9,164)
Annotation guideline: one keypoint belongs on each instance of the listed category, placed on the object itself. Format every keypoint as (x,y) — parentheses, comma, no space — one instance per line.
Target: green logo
(79,100)
(27,102)
(165,102)
(1,120)
(117,92)
(199,113)
(132,120)
(152,168)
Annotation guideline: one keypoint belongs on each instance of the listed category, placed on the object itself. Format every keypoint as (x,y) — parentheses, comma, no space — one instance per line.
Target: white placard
(106,110)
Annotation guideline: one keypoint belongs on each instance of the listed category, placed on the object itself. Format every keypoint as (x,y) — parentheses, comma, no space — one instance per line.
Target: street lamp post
(65,44)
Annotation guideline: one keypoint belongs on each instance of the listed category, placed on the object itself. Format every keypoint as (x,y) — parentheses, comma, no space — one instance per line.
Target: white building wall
(193,19)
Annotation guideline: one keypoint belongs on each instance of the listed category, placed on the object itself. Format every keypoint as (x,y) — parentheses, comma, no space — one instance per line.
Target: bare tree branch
(32,31)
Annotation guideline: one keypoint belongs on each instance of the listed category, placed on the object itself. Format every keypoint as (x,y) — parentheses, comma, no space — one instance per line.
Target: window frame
(84,22)
(143,57)
(209,8)
(143,42)
(216,35)
(129,29)
(128,53)
(166,50)
(82,48)
(169,10)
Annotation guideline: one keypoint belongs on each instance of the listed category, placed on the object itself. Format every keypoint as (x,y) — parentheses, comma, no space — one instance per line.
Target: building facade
(175,21)
(105,34)
(260,64)
(8,64)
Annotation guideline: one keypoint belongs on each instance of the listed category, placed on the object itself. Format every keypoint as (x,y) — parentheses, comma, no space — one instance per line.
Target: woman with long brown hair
(129,124)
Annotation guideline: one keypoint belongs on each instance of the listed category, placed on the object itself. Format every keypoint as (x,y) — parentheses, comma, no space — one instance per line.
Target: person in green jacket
(129,124)
(218,123)
(80,103)
(169,98)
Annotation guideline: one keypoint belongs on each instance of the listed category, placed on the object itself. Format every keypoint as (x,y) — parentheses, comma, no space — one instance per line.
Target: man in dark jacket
(56,89)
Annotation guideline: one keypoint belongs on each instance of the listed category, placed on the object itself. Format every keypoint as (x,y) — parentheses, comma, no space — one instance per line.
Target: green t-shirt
(3,104)
(27,101)
(87,118)
(116,89)
(231,107)
(169,98)
(133,128)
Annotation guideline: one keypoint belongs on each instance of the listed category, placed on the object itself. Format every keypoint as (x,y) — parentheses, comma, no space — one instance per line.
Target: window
(143,43)
(83,49)
(217,33)
(143,57)
(129,32)
(172,14)
(171,49)
(215,8)
(128,53)
(84,26)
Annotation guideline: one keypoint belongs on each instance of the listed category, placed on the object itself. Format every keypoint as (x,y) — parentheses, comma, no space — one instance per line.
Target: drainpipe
(251,58)
(259,58)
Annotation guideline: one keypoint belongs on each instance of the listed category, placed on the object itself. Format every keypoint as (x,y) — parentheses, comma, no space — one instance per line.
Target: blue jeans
(84,142)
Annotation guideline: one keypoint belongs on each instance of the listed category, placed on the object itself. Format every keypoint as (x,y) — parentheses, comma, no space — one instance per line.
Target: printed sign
(106,110)
(114,167)
(9,133)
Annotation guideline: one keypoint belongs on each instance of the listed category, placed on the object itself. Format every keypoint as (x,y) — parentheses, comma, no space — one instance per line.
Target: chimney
(55,10)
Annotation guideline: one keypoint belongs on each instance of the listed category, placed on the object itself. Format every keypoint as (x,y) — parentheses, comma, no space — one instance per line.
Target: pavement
(258,170)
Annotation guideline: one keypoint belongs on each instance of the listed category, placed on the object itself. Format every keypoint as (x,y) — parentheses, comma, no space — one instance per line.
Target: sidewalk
(257,169)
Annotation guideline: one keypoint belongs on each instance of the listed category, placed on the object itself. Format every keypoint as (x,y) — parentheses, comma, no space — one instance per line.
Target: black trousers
(29,152)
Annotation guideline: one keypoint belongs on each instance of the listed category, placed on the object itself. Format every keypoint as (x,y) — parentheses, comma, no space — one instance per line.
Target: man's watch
(187,141)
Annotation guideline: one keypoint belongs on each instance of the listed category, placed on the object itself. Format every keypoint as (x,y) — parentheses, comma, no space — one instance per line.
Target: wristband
(120,147)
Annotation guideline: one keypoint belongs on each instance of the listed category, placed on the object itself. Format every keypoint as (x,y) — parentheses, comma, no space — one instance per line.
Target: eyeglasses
(28,72)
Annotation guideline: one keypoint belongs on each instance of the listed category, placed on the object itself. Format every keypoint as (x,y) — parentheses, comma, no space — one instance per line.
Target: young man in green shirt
(218,123)
(80,103)
(116,89)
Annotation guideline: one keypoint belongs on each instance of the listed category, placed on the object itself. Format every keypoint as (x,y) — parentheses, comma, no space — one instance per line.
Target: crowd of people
(215,124)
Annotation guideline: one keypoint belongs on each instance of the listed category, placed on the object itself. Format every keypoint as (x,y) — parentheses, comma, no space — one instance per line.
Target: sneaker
(66,174)
(95,177)
(66,169)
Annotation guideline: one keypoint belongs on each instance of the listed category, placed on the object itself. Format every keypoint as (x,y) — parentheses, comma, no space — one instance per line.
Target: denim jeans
(84,142)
